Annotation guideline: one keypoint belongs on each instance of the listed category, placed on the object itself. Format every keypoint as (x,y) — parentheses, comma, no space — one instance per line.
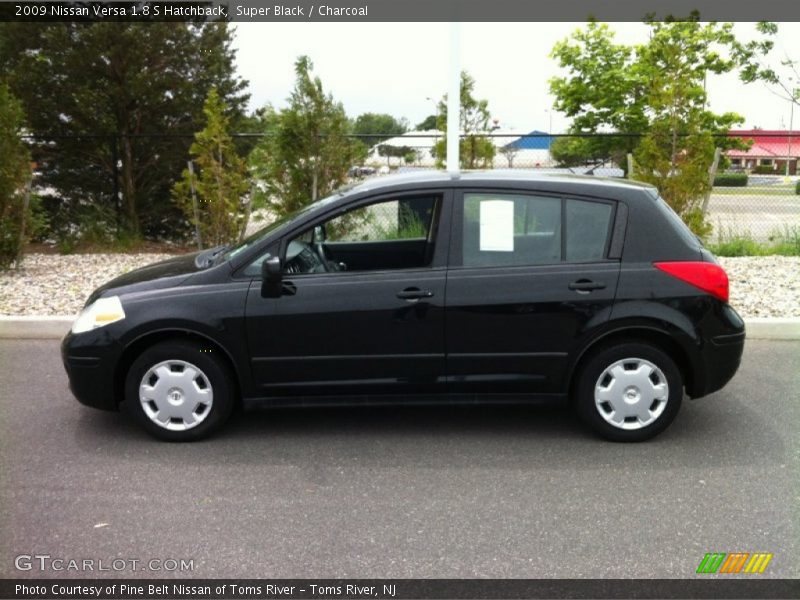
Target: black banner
(395,589)
(397,10)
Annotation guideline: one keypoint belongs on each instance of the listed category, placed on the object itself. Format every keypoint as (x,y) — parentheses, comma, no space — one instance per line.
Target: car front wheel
(179,391)
(629,392)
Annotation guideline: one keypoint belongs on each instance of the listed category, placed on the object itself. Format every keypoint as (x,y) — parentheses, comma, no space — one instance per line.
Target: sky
(402,68)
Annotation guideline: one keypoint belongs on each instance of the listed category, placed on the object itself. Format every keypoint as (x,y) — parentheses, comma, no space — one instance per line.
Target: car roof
(488,177)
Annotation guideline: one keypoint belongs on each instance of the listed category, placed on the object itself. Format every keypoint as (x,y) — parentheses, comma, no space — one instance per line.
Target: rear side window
(511,230)
(502,230)
(587,230)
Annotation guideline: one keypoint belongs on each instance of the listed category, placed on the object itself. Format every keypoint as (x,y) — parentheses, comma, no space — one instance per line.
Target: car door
(530,275)
(373,323)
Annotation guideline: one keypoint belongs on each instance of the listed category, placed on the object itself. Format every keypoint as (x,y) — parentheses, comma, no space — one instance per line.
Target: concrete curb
(773,328)
(34,327)
(45,327)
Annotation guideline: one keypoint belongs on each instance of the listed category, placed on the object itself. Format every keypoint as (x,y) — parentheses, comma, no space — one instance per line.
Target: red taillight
(708,277)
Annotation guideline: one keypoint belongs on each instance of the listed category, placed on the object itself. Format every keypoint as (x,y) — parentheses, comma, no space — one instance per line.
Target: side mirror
(271,277)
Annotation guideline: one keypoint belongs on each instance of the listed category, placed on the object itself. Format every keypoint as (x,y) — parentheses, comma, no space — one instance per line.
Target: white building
(514,149)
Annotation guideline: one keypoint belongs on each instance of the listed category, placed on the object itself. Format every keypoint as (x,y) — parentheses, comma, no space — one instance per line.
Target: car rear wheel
(178,391)
(629,392)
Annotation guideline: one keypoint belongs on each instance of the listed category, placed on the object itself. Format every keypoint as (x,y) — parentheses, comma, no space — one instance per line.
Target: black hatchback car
(498,287)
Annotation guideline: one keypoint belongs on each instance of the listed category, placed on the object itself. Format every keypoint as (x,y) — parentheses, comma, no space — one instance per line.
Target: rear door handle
(414,294)
(586,285)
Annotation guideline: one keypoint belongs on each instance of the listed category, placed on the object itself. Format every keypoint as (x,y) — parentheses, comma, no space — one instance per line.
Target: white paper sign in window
(497,226)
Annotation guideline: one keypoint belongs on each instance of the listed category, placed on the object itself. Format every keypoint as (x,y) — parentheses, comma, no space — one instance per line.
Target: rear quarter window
(588,225)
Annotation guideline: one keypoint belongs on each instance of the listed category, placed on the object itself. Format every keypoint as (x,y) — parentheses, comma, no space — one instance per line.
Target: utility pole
(791,124)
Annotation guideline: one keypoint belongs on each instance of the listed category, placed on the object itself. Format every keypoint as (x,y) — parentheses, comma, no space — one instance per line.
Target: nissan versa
(498,287)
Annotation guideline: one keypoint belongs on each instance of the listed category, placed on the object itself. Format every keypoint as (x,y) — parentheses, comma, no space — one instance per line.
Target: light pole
(454,100)
(435,107)
(791,124)
(549,130)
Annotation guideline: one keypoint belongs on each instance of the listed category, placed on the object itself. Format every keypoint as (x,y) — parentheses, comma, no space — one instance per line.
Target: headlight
(99,313)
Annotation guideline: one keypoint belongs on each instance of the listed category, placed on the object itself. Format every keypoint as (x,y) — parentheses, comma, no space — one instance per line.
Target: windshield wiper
(206,259)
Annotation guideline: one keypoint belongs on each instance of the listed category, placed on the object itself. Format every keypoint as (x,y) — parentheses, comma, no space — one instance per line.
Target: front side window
(390,234)
(383,221)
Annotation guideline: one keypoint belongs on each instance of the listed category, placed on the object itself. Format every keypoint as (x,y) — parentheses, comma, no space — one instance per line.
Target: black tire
(213,369)
(596,365)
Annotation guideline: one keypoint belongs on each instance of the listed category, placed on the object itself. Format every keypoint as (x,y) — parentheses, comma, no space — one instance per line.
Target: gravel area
(764,286)
(52,284)
(48,284)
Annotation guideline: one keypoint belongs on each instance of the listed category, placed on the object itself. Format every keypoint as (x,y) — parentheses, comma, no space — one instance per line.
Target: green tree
(374,128)
(475,149)
(14,174)
(678,149)
(428,124)
(113,107)
(307,150)
(220,179)
(780,75)
(509,152)
(651,99)
(405,152)
(576,151)
(603,90)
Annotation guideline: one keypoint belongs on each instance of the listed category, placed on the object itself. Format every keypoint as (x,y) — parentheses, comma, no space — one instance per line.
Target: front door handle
(413,294)
(586,285)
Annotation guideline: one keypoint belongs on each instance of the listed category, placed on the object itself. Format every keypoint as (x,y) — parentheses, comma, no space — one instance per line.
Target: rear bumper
(720,353)
(722,360)
(89,361)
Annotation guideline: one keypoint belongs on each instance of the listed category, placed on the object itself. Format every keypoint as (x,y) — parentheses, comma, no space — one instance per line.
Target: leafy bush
(698,223)
(731,180)
(765,170)
(14,175)
(216,207)
(78,225)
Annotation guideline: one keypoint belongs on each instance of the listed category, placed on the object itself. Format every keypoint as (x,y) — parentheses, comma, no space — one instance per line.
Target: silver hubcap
(631,393)
(176,395)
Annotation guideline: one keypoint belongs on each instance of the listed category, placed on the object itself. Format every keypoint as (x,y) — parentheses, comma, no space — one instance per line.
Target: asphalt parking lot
(402,492)
(762,216)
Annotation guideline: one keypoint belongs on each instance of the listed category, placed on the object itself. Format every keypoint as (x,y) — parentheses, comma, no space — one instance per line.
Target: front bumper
(90,360)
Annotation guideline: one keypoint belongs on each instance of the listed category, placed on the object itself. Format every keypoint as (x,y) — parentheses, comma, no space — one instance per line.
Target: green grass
(764,190)
(409,227)
(781,243)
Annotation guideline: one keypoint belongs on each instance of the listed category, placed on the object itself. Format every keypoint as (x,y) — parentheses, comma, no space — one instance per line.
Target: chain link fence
(756,193)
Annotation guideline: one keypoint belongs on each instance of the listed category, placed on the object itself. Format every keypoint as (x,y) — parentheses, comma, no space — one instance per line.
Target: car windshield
(259,235)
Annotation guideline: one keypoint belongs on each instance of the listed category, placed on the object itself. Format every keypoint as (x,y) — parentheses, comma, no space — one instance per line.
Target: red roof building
(769,151)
